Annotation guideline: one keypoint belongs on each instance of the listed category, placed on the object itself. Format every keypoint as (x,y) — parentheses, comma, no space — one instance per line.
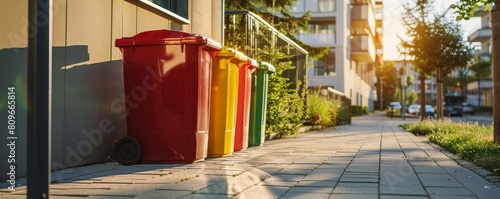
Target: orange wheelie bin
(223,102)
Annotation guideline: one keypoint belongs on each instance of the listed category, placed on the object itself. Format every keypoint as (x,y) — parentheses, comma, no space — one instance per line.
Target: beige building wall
(13,73)
(87,82)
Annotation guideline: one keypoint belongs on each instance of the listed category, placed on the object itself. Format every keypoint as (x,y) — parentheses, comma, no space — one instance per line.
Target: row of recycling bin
(189,98)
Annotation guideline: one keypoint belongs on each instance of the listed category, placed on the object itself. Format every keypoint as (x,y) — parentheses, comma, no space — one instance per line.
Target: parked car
(452,110)
(429,111)
(394,105)
(467,108)
(414,109)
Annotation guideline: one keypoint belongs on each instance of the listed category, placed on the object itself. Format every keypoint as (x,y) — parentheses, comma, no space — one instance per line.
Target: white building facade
(482,37)
(430,83)
(353,32)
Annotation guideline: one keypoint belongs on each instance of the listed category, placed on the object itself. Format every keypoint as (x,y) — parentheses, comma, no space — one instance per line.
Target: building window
(312,5)
(323,27)
(176,9)
(318,5)
(326,65)
(326,5)
(299,6)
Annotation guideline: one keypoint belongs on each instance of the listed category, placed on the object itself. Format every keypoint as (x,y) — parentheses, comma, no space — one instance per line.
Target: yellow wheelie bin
(223,101)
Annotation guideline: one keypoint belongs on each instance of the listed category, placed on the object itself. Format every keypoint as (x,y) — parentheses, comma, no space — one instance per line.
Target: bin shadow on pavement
(372,158)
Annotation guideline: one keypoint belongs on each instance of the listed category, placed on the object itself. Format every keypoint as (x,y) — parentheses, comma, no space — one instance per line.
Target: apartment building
(353,32)
(430,83)
(88,106)
(482,37)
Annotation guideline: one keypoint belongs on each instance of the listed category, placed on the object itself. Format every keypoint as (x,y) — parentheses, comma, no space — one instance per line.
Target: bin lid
(267,66)
(253,64)
(229,52)
(165,37)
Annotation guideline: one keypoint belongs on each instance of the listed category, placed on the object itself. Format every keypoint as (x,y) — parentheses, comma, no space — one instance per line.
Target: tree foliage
(481,69)
(465,8)
(387,76)
(397,95)
(411,97)
(435,42)
(410,80)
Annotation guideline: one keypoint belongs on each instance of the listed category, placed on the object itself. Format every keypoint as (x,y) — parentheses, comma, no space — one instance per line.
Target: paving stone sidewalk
(372,158)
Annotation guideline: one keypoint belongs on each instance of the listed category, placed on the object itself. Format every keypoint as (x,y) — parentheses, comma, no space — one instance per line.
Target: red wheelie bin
(243,107)
(167,79)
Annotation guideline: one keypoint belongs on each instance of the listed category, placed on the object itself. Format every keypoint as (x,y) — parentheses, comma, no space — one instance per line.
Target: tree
(411,97)
(460,80)
(435,44)
(463,78)
(465,10)
(481,70)
(387,77)
(410,80)
(397,95)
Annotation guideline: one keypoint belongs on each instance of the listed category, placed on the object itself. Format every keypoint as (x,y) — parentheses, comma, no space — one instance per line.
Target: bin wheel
(127,151)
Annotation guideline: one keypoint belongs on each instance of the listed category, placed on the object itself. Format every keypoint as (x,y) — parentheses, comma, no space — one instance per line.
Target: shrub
(343,115)
(285,107)
(472,142)
(322,110)
(359,110)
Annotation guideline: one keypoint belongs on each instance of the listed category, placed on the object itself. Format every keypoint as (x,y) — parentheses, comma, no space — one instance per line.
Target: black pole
(495,28)
(39,74)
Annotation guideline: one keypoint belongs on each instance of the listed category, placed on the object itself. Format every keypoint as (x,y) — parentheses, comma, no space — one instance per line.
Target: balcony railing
(317,39)
(379,61)
(358,2)
(363,48)
(379,40)
(481,35)
(363,17)
(249,33)
(481,12)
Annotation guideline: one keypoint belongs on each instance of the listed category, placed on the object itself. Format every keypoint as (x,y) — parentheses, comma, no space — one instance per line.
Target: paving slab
(324,174)
(316,183)
(309,166)
(372,158)
(403,190)
(355,190)
(294,171)
(363,167)
(353,196)
(449,191)
(300,189)
(298,195)
(279,183)
(402,197)
(428,169)
(260,192)
(439,180)
(161,194)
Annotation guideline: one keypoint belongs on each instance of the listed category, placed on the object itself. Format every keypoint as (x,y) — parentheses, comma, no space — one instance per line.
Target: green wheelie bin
(258,104)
